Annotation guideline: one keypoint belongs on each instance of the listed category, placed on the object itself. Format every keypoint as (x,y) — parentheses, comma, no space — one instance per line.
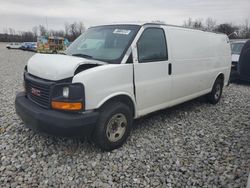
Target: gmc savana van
(113,74)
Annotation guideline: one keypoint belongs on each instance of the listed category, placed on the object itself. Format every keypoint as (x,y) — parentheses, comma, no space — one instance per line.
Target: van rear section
(113,74)
(198,58)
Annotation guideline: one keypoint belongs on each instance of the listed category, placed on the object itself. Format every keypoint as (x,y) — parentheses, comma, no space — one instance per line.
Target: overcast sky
(24,14)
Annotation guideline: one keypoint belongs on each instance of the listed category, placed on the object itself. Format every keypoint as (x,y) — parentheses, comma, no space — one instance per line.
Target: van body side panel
(192,60)
(197,58)
(105,82)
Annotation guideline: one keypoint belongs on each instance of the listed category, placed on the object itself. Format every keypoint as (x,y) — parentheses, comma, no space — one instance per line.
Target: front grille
(38,90)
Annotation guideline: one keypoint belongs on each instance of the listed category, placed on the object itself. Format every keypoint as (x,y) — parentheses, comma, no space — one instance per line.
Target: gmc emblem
(35,92)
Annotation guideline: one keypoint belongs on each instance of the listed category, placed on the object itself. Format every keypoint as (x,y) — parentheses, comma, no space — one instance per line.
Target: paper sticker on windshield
(121,31)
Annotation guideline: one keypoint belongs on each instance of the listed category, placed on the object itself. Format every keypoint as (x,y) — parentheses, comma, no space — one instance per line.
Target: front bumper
(55,122)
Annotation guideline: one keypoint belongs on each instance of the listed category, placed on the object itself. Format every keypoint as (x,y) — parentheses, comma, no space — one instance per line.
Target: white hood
(56,67)
(235,57)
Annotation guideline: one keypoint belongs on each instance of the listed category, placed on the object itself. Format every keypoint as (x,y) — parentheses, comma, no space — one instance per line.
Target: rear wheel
(216,92)
(113,127)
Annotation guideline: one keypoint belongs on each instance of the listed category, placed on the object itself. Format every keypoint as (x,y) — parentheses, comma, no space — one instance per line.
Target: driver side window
(152,46)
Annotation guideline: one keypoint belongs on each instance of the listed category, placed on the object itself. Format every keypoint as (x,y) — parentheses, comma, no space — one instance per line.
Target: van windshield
(104,43)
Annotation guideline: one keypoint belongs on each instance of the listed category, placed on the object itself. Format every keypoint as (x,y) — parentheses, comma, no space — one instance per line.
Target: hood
(56,67)
(235,57)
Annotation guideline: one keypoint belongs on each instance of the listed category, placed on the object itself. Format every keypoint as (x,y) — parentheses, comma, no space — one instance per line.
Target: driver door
(152,74)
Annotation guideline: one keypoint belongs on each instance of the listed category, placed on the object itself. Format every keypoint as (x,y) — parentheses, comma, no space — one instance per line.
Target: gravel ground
(193,144)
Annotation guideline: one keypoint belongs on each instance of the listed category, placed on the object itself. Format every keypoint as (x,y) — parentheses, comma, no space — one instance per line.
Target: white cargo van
(113,74)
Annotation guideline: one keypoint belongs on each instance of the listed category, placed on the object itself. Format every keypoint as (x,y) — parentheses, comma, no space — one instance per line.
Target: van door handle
(169,69)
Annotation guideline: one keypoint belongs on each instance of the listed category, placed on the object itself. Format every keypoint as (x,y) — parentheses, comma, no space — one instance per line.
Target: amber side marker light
(66,105)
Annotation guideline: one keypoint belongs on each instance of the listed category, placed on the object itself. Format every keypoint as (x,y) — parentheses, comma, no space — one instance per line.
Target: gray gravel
(194,144)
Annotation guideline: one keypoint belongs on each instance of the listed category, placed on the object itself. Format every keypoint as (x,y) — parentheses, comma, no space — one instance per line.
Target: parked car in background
(32,46)
(29,46)
(51,44)
(113,74)
(236,47)
(24,46)
(244,63)
(14,45)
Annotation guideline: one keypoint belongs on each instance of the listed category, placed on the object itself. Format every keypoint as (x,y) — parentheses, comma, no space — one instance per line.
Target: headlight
(68,97)
(65,92)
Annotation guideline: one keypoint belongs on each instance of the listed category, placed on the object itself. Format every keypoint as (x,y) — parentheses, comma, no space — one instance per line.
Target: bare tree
(246,29)
(228,29)
(42,30)
(210,24)
(57,33)
(72,31)
(197,24)
(11,31)
(28,36)
(81,27)
(243,31)
(188,23)
(66,28)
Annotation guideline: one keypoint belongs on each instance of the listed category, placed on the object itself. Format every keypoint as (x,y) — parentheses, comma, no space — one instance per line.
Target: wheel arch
(120,97)
(220,76)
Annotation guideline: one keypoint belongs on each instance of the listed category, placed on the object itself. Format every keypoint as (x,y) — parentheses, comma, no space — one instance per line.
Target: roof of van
(139,23)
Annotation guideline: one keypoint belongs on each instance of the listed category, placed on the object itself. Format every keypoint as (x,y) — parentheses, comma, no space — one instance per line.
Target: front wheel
(216,92)
(113,127)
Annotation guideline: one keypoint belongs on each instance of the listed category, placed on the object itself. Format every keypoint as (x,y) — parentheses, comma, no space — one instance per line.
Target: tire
(113,127)
(215,95)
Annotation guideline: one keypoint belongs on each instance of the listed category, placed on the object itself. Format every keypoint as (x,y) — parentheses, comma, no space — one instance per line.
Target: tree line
(73,30)
(232,31)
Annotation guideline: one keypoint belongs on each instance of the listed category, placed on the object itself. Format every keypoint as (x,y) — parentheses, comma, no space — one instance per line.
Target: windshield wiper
(83,55)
